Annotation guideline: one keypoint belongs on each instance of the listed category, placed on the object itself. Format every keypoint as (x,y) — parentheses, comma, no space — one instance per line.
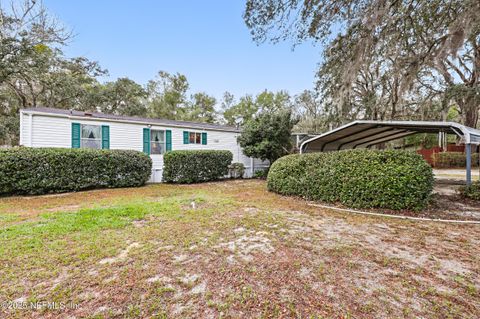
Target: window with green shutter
(194,138)
(90,136)
(156,142)
(146,141)
(105,137)
(75,135)
(168,144)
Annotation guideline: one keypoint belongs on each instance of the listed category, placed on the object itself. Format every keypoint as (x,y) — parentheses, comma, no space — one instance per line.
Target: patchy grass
(239,251)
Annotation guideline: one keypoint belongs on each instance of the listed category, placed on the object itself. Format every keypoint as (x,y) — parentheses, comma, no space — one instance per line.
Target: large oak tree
(384,59)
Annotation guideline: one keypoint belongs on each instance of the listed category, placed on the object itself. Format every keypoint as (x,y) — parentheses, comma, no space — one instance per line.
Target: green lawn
(241,252)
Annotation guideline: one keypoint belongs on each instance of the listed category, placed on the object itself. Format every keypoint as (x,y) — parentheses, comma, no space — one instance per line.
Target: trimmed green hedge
(356,178)
(53,170)
(195,166)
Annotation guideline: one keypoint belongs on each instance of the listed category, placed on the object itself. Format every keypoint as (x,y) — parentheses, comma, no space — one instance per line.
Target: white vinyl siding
(51,132)
(24,129)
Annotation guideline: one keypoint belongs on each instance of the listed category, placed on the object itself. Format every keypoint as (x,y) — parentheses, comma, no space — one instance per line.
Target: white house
(49,127)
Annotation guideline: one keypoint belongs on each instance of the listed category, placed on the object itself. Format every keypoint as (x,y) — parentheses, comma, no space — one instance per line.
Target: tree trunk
(471,113)
(471,117)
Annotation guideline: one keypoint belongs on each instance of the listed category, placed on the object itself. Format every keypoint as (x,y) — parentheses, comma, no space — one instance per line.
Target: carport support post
(468,155)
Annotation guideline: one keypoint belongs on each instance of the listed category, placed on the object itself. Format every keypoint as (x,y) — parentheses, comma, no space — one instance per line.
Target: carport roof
(362,134)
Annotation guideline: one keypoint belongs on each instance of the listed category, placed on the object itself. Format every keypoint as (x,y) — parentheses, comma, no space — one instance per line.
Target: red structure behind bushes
(454,156)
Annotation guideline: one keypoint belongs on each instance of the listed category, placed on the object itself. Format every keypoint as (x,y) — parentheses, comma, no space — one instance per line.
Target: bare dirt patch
(120,257)
(245,245)
(453,206)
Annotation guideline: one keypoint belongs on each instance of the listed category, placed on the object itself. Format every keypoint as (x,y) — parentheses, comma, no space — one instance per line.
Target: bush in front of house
(453,159)
(194,166)
(261,173)
(389,179)
(54,170)
(236,170)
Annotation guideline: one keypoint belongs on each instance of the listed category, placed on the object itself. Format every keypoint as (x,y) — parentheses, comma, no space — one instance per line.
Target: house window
(91,136)
(157,142)
(195,138)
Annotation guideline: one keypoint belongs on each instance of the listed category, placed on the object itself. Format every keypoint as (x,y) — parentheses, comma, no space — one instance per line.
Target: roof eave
(139,121)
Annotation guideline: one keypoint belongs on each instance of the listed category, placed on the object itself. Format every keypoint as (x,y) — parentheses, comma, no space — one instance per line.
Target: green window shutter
(168,140)
(185,137)
(146,141)
(105,137)
(204,138)
(75,135)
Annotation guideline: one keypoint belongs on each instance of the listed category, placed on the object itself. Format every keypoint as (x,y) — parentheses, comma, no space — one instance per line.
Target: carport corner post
(468,155)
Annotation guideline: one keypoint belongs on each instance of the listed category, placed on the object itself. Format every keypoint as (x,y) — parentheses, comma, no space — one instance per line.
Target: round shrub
(390,179)
(53,170)
(194,166)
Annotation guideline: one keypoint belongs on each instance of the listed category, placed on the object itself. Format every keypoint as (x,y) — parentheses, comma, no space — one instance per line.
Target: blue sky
(205,40)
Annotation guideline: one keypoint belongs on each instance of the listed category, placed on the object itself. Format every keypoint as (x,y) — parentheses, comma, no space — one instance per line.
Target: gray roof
(120,118)
(363,134)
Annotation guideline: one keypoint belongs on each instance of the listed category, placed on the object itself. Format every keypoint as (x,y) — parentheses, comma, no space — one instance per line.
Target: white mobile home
(49,127)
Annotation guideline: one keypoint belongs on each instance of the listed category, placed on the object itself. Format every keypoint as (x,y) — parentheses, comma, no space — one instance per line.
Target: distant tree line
(35,72)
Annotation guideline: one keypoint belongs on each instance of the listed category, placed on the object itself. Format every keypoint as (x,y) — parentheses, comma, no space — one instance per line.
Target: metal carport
(364,134)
